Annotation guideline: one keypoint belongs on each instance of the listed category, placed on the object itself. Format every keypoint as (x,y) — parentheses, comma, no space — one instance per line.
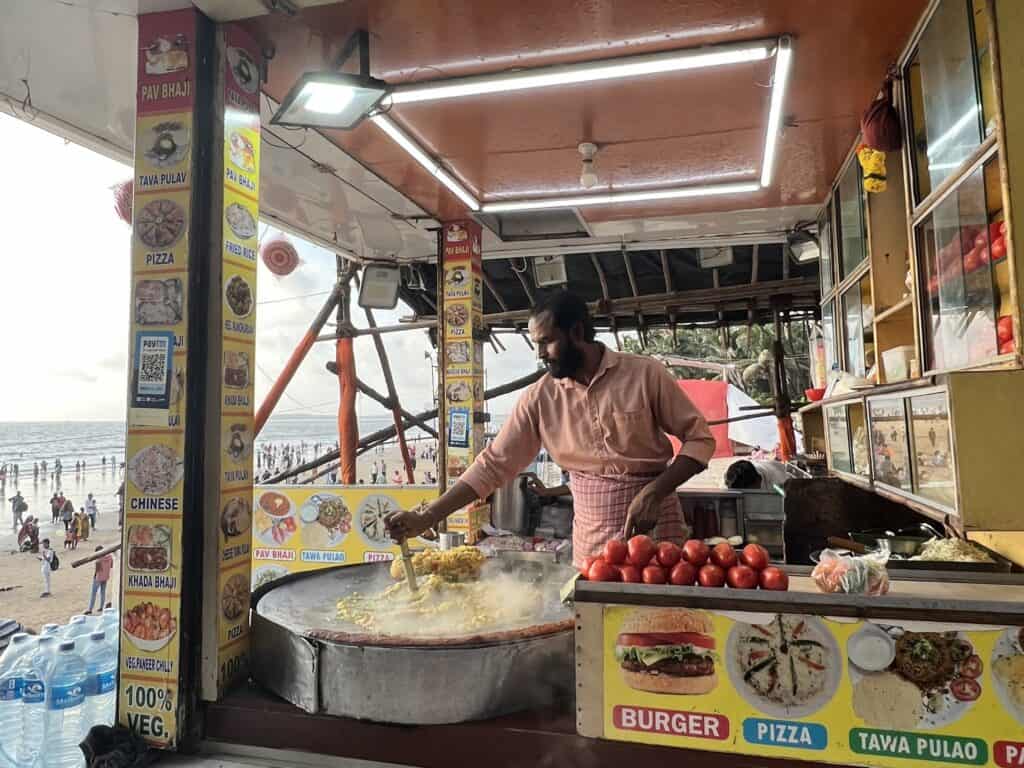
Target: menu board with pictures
(849,692)
(236,350)
(304,528)
(155,444)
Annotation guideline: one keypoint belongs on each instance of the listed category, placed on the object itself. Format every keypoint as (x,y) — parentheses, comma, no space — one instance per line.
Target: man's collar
(609,359)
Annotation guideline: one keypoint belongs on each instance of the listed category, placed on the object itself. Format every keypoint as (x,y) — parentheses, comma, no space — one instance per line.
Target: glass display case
(934,468)
(962,247)
(859,449)
(828,330)
(859,328)
(949,91)
(890,444)
(851,233)
(825,246)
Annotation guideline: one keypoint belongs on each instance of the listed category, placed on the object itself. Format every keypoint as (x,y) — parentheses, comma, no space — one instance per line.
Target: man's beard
(568,364)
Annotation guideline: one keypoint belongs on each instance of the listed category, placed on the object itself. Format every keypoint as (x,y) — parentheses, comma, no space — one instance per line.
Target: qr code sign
(153,366)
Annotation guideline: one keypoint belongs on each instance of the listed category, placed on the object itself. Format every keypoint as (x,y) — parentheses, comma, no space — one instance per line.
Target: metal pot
(509,509)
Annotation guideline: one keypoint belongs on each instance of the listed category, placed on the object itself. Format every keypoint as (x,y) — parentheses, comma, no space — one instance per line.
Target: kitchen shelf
(904,305)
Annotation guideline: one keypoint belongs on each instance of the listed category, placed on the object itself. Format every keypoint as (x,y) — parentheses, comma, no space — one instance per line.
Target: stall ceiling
(672,129)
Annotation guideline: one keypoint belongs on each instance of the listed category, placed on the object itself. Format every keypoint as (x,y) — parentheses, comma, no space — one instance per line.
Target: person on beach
(55,505)
(67,513)
(99,580)
(374,470)
(18,507)
(91,509)
(46,556)
(396,477)
(84,527)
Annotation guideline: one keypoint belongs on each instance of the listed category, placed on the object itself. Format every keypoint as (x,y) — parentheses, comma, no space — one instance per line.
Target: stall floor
(256,718)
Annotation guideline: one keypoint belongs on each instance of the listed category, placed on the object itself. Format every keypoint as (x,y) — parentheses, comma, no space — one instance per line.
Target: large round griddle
(302,652)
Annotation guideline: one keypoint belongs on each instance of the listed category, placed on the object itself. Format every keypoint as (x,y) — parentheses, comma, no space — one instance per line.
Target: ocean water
(27,443)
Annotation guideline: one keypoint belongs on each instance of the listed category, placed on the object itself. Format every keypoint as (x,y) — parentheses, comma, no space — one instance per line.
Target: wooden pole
(290,367)
(396,408)
(96,555)
(345,360)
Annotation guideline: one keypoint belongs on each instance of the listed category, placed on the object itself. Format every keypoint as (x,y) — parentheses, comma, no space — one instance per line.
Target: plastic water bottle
(79,626)
(35,667)
(50,629)
(111,617)
(101,687)
(12,688)
(65,696)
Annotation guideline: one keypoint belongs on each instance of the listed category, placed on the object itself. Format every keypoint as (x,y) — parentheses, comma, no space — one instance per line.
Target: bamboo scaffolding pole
(396,407)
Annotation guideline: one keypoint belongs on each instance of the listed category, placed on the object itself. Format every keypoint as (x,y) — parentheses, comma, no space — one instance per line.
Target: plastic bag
(880,124)
(864,575)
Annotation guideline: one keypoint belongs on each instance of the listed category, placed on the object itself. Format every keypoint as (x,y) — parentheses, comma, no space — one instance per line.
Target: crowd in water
(53,473)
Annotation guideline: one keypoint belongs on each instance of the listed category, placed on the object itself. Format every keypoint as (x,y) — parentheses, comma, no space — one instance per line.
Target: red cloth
(711,399)
(600,504)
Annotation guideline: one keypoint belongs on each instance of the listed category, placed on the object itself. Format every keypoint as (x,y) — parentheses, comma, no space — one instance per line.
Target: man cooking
(604,417)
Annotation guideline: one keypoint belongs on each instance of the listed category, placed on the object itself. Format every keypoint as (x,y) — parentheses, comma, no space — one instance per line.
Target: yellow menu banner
(298,528)
(803,687)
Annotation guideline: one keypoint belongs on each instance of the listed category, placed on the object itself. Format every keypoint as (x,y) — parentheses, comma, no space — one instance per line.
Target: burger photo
(667,650)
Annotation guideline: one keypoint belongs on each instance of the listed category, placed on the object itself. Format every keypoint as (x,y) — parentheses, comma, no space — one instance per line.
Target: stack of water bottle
(54,687)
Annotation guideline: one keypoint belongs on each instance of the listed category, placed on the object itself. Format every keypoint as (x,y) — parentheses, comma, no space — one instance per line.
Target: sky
(64,305)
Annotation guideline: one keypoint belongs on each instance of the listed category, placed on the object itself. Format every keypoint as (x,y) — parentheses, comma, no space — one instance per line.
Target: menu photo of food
(234,597)
(148,626)
(1008,671)
(164,56)
(789,666)
(238,296)
(236,369)
(456,315)
(668,650)
(159,302)
(149,547)
(242,153)
(458,392)
(457,352)
(274,519)
(244,71)
(155,469)
(370,518)
(238,443)
(240,221)
(912,680)
(326,521)
(236,517)
(168,144)
(160,223)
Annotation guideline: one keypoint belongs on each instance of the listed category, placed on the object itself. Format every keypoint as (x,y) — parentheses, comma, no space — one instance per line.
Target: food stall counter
(930,673)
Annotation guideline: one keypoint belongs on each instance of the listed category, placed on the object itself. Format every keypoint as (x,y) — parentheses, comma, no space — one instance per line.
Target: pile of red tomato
(974,248)
(1004,332)
(640,560)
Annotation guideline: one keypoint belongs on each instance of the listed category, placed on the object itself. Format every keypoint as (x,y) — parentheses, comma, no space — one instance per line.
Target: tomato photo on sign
(965,689)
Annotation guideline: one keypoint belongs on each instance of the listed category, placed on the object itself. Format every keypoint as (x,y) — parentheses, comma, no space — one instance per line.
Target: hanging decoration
(123,200)
(872,162)
(279,255)
(881,132)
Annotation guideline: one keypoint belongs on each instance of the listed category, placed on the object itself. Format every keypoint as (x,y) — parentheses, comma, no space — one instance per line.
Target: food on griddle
(160,223)
(886,700)
(953,551)
(927,658)
(234,598)
(784,662)
(667,651)
(442,608)
(239,296)
(236,517)
(458,564)
(240,221)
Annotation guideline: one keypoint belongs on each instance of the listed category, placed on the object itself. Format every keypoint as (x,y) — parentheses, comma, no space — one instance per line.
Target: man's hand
(407,524)
(644,511)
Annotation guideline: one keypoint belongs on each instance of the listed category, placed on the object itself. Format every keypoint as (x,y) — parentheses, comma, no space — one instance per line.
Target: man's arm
(517,443)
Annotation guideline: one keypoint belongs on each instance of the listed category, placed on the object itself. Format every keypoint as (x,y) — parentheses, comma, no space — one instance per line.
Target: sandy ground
(20,575)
